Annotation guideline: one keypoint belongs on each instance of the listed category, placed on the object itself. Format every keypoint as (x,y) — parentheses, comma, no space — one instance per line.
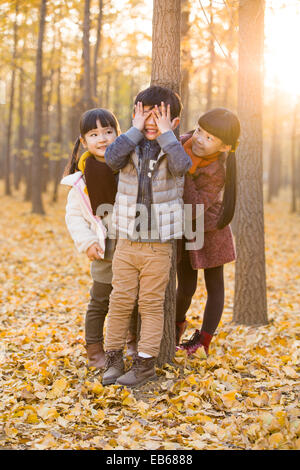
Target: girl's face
(204,143)
(97,140)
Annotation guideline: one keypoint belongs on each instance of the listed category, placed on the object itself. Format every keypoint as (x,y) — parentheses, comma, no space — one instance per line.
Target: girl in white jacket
(93,183)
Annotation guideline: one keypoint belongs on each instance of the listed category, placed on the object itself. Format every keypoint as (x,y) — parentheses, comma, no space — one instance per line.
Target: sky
(282,40)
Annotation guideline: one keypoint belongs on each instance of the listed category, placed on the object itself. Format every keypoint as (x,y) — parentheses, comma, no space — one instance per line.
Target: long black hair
(225,125)
(88,121)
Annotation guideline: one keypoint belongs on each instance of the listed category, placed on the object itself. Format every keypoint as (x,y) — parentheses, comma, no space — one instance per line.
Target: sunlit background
(282,39)
(124,64)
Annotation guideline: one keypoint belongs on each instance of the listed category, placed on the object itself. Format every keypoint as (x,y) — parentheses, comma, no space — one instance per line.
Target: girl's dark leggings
(97,311)
(187,285)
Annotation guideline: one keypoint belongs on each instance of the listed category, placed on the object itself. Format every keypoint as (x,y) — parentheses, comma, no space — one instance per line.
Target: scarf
(199,162)
(100,180)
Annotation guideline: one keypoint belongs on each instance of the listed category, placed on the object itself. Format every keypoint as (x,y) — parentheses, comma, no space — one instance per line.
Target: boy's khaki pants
(139,270)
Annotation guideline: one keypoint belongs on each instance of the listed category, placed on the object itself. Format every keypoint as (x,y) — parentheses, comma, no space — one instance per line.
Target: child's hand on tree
(162,117)
(94,252)
(139,117)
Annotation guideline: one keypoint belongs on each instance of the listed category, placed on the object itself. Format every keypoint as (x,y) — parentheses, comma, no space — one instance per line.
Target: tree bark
(47,115)
(274,158)
(11,107)
(293,159)
(298,169)
(57,167)
(186,64)
(107,90)
(87,96)
(211,65)
(20,167)
(250,303)
(37,160)
(97,49)
(166,44)
(166,72)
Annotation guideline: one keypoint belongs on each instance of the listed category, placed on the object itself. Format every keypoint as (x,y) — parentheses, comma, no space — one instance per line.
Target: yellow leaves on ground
(243,396)
(58,388)
(290,372)
(228,398)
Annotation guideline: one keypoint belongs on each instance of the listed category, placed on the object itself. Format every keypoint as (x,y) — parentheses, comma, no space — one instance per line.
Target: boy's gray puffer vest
(167,206)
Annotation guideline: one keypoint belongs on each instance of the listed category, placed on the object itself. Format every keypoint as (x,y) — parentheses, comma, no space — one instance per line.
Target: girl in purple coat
(211,181)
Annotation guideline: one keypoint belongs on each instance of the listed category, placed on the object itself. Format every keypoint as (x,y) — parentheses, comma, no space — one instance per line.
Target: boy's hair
(225,125)
(156,94)
(88,121)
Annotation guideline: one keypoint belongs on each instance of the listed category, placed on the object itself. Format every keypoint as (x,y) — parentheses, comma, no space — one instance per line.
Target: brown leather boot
(114,366)
(142,371)
(96,355)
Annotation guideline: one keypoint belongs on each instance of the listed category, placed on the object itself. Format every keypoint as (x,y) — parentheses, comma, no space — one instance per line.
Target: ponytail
(229,197)
(71,166)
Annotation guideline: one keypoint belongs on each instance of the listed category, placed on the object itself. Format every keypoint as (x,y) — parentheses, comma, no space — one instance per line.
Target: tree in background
(87,100)
(274,178)
(250,301)
(294,149)
(120,65)
(37,204)
(187,63)
(212,59)
(166,72)
(11,103)
(97,50)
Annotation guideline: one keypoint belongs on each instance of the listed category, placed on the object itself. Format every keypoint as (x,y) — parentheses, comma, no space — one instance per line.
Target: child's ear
(83,142)
(175,123)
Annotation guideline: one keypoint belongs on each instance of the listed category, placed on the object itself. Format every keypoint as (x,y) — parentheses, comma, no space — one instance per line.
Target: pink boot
(198,340)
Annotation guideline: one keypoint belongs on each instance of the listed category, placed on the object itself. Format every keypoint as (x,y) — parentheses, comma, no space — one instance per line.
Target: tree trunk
(274,158)
(97,50)
(87,96)
(28,175)
(187,64)
(298,169)
(57,167)
(107,90)
(250,303)
(166,72)
(132,94)
(11,106)
(37,159)
(293,159)
(166,44)
(20,167)
(211,65)
(47,116)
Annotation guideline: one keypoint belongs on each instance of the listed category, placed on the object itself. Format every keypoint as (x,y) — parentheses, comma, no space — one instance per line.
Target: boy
(148,215)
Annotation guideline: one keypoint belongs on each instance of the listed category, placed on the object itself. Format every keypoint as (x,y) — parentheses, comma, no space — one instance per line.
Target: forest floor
(244,396)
